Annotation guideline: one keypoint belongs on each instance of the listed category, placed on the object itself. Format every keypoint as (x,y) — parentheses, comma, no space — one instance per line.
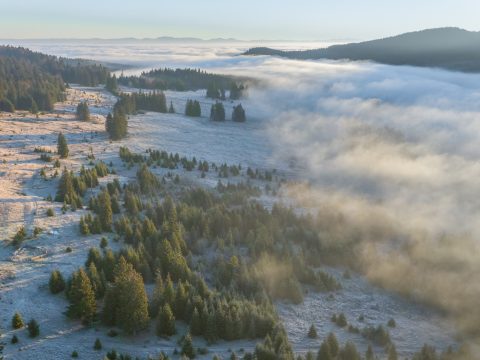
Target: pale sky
(241,19)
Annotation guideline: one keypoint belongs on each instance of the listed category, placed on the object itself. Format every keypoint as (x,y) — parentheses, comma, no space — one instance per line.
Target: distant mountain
(448,48)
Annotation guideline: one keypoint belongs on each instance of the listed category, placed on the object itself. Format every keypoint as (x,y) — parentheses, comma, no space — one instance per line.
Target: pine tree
(187,347)
(171,109)
(81,297)
(312,332)
(62,146)
(166,321)
(33,328)
(17,321)
(56,282)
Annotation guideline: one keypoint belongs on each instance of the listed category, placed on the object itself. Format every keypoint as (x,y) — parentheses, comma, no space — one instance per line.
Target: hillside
(448,48)
(35,81)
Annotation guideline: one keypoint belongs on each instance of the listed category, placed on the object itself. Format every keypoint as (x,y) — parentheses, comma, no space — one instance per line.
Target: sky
(245,19)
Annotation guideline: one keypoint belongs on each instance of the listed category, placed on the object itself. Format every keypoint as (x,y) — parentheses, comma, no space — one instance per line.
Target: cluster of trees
(104,205)
(33,81)
(238,114)
(192,108)
(177,79)
(217,112)
(72,188)
(111,84)
(215,92)
(237,91)
(117,123)
(83,112)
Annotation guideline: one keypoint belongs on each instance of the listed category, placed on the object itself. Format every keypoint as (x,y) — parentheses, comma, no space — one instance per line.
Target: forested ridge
(448,48)
(34,81)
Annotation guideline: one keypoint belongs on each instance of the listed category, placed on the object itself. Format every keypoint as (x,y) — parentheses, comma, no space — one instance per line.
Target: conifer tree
(166,321)
(81,297)
(350,352)
(33,328)
(324,353)
(83,113)
(171,109)
(56,282)
(105,213)
(211,333)
(369,354)
(238,114)
(217,112)
(17,321)
(333,344)
(187,347)
(196,323)
(62,146)
(312,332)
(392,352)
(96,280)
(131,302)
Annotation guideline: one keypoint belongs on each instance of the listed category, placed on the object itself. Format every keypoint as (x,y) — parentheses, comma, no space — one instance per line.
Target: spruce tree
(392,352)
(131,299)
(333,344)
(98,345)
(17,321)
(171,109)
(187,347)
(166,321)
(56,282)
(350,352)
(312,332)
(33,328)
(83,113)
(82,297)
(196,323)
(238,114)
(105,213)
(62,146)
(325,352)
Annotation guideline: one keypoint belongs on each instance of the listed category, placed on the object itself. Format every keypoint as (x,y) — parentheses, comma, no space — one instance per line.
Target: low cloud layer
(393,152)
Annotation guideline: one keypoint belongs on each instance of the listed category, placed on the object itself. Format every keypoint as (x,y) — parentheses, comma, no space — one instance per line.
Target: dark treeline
(34,81)
(177,79)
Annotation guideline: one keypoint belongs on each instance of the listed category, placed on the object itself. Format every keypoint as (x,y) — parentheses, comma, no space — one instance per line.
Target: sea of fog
(391,150)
